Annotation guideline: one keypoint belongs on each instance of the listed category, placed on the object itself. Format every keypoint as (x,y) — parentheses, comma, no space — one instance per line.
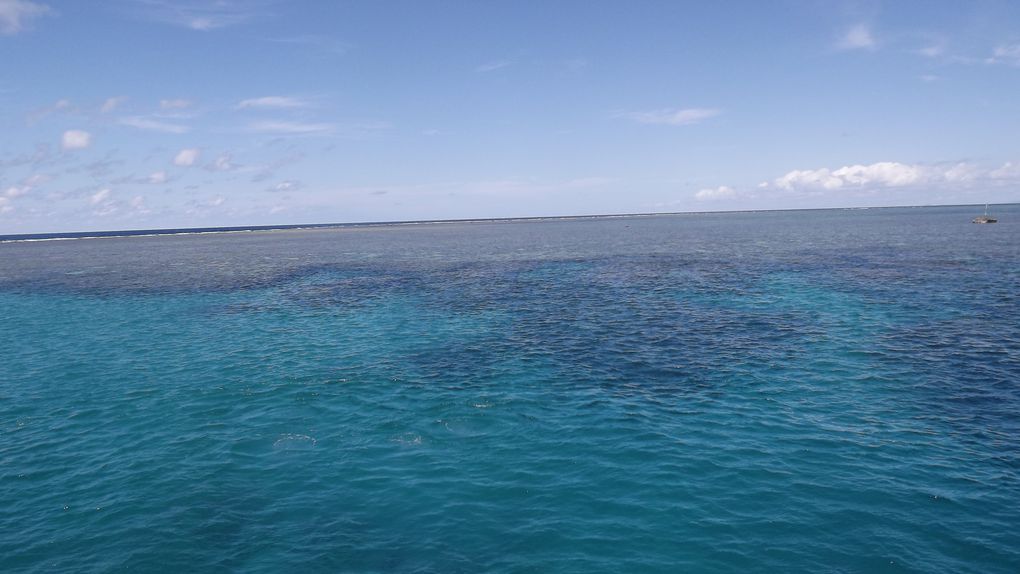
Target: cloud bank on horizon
(172,113)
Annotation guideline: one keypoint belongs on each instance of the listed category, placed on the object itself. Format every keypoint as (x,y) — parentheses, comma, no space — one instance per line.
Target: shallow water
(788,391)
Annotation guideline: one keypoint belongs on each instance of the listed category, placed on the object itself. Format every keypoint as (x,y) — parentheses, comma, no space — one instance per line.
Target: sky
(142,114)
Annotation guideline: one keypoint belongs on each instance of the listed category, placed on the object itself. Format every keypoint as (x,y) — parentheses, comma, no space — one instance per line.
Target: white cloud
(186,157)
(13,192)
(857,37)
(493,66)
(273,102)
(221,163)
(957,173)
(672,117)
(886,175)
(285,186)
(204,23)
(99,196)
(144,123)
(882,174)
(721,192)
(156,177)
(877,184)
(176,104)
(111,104)
(285,127)
(15,14)
(76,139)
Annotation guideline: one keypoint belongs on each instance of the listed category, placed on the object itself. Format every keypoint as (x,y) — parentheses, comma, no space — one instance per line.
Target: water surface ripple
(774,392)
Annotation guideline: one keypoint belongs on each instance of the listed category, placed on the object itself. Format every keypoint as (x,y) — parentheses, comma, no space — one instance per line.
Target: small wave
(294,442)
(408,439)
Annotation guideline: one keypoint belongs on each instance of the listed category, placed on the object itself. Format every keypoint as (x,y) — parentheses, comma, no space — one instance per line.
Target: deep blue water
(827,391)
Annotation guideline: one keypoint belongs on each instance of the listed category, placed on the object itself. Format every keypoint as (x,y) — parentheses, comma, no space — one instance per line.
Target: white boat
(984,218)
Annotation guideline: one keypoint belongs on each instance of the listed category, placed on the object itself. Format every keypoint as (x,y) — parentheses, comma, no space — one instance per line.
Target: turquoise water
(828,391)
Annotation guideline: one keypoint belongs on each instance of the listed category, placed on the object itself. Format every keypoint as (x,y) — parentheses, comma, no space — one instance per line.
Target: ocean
(801,391)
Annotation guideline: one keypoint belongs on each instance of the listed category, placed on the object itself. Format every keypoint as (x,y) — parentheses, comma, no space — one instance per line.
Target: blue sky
(169,113)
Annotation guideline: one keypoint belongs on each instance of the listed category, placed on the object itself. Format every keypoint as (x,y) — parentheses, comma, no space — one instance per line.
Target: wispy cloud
(284,186)
(99,196)
(137,203)
(174,104)
(63,105)
(100,168)
(671,116)
(575,65)
(15,15)
(223,162)
(273,102)
(198,14)
(857,37)
(37,179)
(931,51)
(155,178)
(103,203)
(268,171)
(321,44)
(39,157)
(508,188)
(150,124)
(1008,54)
(290,128)
(493,66)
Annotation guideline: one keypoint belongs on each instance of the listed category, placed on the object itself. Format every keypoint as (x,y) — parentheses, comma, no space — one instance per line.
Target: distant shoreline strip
(246,229)
(30,237)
